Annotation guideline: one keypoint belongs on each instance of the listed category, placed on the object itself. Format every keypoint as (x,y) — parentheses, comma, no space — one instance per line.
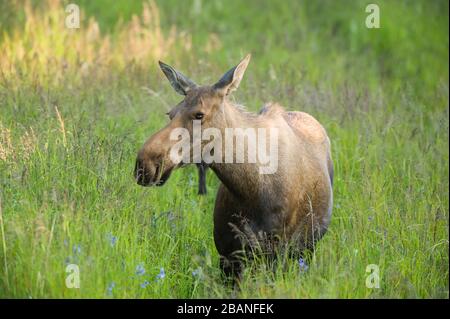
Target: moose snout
(145,172)
(153,164)
(148,172)
(139,173)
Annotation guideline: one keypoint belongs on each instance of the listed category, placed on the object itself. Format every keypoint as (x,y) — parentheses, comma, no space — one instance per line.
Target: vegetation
(77,104)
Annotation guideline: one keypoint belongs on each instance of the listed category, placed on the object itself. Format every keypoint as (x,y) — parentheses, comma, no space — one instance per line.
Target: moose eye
(199,115)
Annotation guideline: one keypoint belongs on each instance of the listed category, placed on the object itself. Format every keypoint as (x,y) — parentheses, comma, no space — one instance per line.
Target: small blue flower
(196,272)
(140,270)
(302,264)
(145,284)
(76,249)
(66,242)
(112,239)
(370,218)
(171,216)
(161,274)
(111,287)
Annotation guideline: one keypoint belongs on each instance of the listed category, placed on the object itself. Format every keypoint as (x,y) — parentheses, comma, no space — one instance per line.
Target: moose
(254,212)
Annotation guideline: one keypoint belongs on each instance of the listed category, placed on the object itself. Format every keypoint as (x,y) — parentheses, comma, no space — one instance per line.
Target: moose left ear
(230,80)
(181,83)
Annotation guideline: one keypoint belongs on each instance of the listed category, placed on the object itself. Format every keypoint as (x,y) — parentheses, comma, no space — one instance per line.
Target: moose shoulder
(290,206)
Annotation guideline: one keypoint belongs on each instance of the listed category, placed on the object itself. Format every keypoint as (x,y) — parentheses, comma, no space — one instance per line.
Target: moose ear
(230,80)
(181,83)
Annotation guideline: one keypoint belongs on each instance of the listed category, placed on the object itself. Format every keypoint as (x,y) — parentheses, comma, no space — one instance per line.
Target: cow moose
(290,207)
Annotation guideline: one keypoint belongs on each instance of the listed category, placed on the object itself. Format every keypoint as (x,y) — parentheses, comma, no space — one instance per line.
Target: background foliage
(76,105)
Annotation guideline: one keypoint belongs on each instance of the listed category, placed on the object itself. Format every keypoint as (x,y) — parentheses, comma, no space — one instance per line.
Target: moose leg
(231,269)
(202,178)
(227,243)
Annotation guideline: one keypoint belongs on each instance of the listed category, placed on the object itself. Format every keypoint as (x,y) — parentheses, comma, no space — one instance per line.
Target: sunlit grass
(75,106)
(45,50)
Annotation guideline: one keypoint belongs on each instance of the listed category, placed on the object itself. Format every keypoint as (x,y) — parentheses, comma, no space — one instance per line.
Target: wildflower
(161,274)
(145,284)
(302,264)
(112,239)
(111,287)
(197,272)
(140,270)
(171,216)
(370,218)
(76,249)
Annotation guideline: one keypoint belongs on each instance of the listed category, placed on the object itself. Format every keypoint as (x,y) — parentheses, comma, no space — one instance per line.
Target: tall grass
(45,50)
(76,105)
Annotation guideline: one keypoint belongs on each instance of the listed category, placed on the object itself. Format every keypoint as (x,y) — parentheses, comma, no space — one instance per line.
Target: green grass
(381,94)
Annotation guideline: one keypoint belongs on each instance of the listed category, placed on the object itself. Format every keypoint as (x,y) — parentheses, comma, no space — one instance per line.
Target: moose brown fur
(252,210)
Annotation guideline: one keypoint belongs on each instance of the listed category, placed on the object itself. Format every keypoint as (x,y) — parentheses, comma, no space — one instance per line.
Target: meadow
(77,104)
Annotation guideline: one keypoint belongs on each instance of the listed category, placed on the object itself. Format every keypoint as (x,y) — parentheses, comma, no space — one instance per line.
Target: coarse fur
(253,212)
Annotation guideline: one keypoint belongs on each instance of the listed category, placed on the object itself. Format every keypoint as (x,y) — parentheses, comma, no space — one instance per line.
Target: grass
(72,118)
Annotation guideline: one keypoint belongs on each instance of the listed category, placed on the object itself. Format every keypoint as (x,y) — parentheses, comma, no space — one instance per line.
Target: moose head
(200,103)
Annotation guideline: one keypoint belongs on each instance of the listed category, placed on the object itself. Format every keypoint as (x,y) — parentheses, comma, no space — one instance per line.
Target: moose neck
(242,179)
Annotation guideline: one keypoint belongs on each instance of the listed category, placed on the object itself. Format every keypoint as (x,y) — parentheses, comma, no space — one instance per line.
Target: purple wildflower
(112,239)
(140,270)
(161,274)
(302,264)
(197,272)
(76,249)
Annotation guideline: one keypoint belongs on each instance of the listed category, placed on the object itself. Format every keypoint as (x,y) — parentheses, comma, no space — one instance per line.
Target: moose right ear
(231,80)
(181,83)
